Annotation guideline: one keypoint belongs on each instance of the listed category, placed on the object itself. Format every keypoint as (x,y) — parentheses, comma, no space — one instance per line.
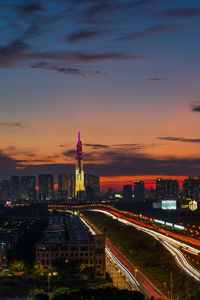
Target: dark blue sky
(122,72)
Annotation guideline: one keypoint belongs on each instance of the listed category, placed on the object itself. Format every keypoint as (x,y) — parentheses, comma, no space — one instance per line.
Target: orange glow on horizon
(118,182)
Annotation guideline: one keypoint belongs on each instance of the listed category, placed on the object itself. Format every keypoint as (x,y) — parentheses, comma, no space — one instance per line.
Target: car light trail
(169,243)
(128,270)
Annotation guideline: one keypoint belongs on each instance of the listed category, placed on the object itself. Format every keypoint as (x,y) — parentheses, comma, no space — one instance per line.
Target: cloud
(10,53)
(83,35)
(69,153)
(79,57)
(106,153)
(96,146)
(159,29)
(16,52)
(30,8)
(179,139)
(125,166)
(65,70)
(10,125)
(195,106)
(154,79)
(179,13)
(116,163)
(8,165)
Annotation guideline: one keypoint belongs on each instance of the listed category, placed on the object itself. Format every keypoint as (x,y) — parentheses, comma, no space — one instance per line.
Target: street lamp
(49,283)
(136,270)
(49,286)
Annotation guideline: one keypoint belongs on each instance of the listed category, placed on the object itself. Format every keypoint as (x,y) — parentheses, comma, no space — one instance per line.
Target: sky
(124,73)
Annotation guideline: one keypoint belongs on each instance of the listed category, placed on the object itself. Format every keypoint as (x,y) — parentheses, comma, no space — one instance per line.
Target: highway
(172,245)
(135,278)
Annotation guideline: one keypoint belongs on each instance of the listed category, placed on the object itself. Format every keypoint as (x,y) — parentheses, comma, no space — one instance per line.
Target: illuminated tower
(79,168)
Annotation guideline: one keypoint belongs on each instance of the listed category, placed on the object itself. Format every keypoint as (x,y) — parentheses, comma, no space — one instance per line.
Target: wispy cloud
(179,13)
(11,125)
(97,146)
(66,70)
(154,79)
(179,139)
(84,35)
(195,106)
(159,29)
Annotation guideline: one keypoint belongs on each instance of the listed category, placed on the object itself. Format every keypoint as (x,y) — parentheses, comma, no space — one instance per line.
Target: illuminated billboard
(168,204)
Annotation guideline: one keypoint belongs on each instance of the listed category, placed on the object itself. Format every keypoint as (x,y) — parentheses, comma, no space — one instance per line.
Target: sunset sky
(126,74)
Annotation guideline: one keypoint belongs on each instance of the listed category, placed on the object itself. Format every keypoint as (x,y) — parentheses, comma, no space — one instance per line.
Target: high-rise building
(191,188)
(46,189)
(167,189)
(73,184)
(31,188)
(27,188)
(139,191)
(5,190)
(127,193)
(92,181)
(63,186)
(79,173)
(15,187)
(90,195)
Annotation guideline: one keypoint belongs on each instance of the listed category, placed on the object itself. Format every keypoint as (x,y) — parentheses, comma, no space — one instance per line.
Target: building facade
(191,188)
(46,187)
(139,190)
(27,188)
(92,181)
(127,193)
(81,246)
(167,189)
(63,186)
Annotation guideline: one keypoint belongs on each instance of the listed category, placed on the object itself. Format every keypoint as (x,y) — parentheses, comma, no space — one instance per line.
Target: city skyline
(129,81)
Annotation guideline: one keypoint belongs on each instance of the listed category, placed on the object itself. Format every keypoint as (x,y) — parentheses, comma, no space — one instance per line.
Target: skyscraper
(5,190)
(46,189)
(93,182)
(127,193)
(79,173)
(167,189)
(15,187)
(63,186)
(191,188)
(138,191)
(27,188)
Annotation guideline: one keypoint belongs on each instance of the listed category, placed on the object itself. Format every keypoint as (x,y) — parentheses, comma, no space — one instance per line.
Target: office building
(63,186)
(5,190)
(139,191)
(73,184)
(79,186)
(46,188)
(27,188)
(89,193)
(127,193)
(92,181)
(191,188)
(15,187)
(167,189)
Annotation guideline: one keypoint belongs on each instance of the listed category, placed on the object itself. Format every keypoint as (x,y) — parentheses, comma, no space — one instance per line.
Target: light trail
(141,283)
(169,243)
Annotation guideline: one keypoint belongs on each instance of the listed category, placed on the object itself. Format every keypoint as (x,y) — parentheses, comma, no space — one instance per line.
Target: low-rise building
(80,245)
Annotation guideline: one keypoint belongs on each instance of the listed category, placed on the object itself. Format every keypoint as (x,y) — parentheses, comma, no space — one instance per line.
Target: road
(172,245)
(135,279)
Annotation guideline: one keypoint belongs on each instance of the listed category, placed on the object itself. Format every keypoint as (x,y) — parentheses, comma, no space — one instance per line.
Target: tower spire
(79,167)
